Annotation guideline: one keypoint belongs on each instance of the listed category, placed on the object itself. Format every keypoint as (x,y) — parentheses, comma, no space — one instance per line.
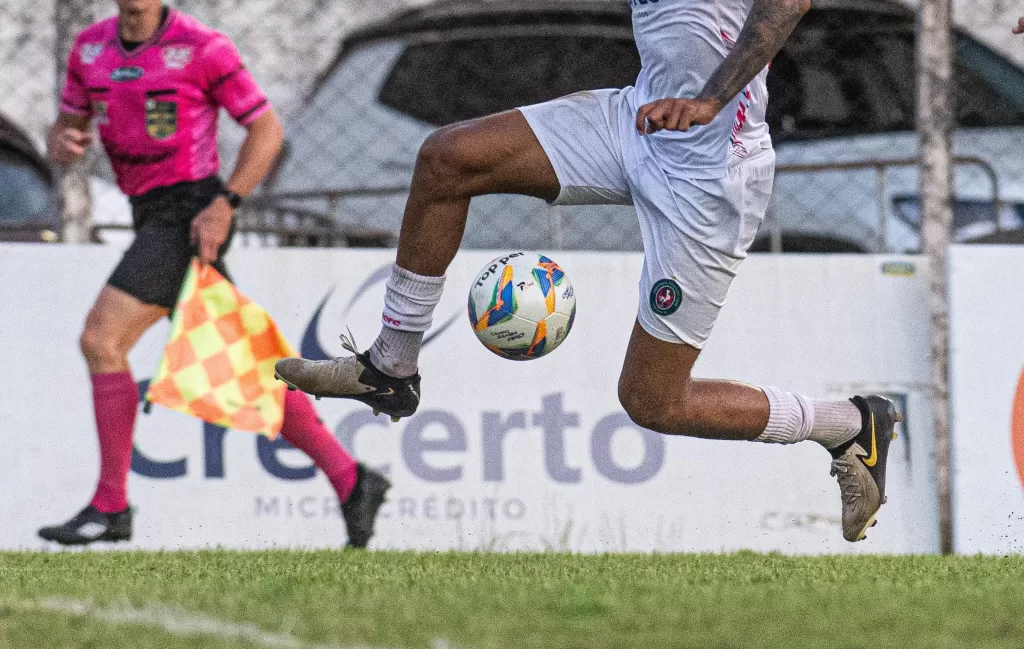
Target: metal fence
(359,88)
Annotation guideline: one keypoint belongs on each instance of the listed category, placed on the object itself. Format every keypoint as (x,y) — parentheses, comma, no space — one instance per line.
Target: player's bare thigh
(497,154)
(115,323)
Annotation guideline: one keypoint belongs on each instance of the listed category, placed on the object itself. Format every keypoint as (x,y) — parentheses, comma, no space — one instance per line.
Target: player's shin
(409,304)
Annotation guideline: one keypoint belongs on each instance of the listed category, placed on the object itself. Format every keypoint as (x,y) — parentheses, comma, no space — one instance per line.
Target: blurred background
(359,85)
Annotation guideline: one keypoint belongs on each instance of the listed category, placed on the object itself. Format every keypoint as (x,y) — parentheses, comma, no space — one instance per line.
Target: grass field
(393,600)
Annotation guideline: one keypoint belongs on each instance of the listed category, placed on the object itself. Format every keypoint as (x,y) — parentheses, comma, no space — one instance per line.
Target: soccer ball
(521,306)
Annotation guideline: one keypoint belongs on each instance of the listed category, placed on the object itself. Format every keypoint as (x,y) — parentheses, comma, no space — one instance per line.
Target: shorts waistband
(204,187)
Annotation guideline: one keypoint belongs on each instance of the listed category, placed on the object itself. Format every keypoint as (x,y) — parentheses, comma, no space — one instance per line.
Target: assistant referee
(153,80)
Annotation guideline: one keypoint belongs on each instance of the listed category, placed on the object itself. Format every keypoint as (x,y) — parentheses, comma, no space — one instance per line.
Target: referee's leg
(115,323)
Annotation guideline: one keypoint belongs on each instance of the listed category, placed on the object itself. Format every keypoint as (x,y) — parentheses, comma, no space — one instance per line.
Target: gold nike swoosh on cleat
(872,459)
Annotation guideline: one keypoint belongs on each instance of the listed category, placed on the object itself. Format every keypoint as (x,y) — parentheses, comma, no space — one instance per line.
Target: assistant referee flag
(218,363)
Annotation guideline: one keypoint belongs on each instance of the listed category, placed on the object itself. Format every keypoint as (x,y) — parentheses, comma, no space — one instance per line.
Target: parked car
(842,92)
(29,198)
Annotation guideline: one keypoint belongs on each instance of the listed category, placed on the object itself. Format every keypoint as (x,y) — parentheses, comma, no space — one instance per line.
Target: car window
(24,190)
(445,82)
(850,73)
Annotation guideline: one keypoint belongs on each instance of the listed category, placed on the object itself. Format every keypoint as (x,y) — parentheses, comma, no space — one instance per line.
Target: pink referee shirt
(156,106)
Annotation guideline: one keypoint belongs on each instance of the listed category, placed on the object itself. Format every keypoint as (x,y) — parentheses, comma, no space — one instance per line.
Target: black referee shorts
(153,268)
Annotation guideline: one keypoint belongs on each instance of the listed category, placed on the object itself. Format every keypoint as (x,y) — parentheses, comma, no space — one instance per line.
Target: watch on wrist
(233,199)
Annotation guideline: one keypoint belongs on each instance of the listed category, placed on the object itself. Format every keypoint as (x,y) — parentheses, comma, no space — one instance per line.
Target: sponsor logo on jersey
(99,112)
(666,297)
(176,58)
(161,119)
(90,52)
(129,73)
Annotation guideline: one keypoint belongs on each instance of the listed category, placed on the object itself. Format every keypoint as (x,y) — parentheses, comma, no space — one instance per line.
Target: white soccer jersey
(681,43)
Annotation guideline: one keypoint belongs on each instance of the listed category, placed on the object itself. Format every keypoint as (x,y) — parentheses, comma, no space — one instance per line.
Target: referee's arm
(68,138)
(262,143)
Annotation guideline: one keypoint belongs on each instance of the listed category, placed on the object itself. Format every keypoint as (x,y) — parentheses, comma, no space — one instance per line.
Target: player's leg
(515,152)
(695,236)
(658,392)
(360,489)
(499,154)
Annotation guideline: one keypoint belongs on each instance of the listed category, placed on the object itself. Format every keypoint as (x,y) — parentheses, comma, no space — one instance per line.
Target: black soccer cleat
(352,377)
(360,510)
(91,525)
(859,465)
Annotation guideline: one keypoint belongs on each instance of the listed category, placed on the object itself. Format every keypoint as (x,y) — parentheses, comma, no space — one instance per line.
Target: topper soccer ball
(521,306)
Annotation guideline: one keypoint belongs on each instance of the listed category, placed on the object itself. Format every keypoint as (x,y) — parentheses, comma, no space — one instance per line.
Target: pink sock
(304,430)
(115,399)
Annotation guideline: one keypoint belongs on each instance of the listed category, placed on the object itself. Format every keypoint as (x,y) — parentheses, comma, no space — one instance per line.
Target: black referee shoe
(360,510)
(91,525)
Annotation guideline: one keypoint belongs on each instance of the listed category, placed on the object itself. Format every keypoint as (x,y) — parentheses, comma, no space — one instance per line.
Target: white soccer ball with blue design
(521,306)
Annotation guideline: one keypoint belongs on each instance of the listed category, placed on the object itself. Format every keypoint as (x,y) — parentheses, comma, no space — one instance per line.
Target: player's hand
(210,229)
(66,144)
(1019,29)
(675,114)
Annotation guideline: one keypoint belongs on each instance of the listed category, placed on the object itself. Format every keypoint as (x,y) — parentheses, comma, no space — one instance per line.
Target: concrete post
(70,17)
(935,126)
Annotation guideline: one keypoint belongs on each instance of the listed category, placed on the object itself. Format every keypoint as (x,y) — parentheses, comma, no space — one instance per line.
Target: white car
(842,106)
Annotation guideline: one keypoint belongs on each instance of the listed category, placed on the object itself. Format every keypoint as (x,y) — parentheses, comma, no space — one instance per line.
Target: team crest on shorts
(666,297)
(176,58)
(161,119)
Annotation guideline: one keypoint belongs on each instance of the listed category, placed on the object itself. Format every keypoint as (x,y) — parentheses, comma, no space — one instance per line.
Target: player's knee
(445,162)
(654,412)
(669,414)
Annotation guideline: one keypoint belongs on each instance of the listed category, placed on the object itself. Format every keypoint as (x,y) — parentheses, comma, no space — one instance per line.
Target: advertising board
(501,455)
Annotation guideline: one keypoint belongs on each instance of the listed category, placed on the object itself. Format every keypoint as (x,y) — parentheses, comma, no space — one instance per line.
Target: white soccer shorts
(695,231)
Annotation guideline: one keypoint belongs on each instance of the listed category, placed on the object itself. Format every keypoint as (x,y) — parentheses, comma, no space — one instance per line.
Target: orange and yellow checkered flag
(218,364)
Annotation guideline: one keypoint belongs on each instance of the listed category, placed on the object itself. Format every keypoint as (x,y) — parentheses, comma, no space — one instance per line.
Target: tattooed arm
(768,25)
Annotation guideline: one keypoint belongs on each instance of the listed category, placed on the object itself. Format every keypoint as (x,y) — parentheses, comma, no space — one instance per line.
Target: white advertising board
(987,338)
(501,455)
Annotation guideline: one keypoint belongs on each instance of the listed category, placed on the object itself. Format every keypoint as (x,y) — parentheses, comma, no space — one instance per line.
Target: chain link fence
(360,86)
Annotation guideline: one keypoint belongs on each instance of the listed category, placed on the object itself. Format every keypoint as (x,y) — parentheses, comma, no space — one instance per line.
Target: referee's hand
(210,229)
(66,144)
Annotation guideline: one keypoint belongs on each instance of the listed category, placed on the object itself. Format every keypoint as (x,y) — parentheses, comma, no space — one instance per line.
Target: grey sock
(835,422)
(396,353)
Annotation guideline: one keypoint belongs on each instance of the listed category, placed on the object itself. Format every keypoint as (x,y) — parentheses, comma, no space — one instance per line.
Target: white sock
(835,422)
(396,352)
(790,417)
(409,302)
(793,418)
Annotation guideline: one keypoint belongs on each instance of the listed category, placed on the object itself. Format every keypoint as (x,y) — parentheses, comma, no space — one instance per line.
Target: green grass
(397,600)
